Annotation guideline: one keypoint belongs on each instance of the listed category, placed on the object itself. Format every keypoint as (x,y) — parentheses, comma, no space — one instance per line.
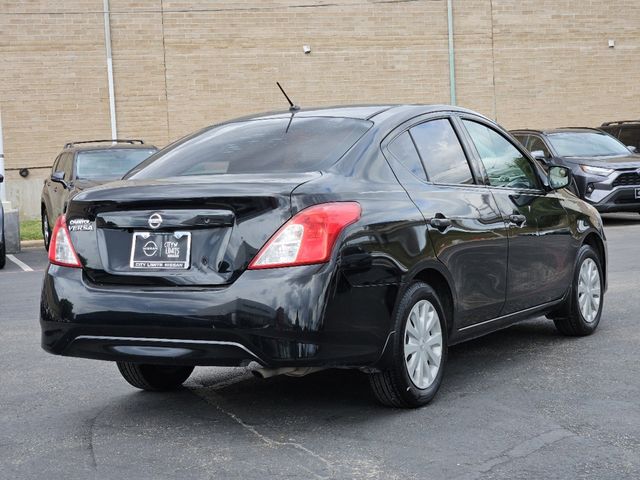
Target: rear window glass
(110,163)
(295,144)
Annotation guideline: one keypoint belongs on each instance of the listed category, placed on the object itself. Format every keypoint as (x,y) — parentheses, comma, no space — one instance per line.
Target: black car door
(539,234)
(464,222)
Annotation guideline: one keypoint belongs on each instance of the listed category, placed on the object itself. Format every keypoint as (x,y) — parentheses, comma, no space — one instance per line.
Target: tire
(46,229)
(154,378)
(581,317)
(3,255)
(396,386)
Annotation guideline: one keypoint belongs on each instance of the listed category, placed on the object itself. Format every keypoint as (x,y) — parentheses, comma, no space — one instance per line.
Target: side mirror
(559,177)
(539,155)
(58,177)
(632,149)
(1,178)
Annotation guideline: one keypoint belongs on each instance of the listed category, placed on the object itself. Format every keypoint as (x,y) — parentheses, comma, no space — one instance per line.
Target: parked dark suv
(606,172)
(82,165)
(627,131)
(358,237)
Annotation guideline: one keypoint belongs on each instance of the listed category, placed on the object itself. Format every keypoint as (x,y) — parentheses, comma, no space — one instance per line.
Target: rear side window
(403,149)
(291,144)
(441,152)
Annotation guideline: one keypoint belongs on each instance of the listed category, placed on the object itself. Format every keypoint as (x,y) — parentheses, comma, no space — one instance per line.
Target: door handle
(517,219)
(440,222)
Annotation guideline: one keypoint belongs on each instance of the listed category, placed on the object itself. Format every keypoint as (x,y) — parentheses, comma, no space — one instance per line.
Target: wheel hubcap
(589,290)
(423,344)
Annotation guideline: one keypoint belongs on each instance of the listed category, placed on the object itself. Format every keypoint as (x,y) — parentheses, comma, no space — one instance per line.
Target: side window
(441,152)
(536,143)
(505,165)
(403,149)
(56,164)
(630,136)
(523,139)
(65,165)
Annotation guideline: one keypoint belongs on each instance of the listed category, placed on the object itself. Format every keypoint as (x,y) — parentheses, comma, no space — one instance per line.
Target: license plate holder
(160,251)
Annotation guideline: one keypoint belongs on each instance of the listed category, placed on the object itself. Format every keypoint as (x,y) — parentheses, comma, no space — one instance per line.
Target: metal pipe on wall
(107,46)
(452,60)
(3,194)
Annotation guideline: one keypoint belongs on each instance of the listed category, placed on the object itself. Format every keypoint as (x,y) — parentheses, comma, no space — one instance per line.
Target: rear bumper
(302,316)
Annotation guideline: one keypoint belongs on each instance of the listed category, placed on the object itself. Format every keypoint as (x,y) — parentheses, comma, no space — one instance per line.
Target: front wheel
(586,300)
(419,351)
(154,378)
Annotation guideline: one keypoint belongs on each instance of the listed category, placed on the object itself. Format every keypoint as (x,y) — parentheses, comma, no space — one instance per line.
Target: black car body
(83,165)
(627,131)
(485,255)
(606,172)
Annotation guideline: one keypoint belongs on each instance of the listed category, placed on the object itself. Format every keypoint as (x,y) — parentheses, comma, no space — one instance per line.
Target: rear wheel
(419,351)
(585,308)
(46,229)
(154,378)
(3,255)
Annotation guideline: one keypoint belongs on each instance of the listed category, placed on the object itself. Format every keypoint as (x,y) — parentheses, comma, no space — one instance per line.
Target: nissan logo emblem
(155,220)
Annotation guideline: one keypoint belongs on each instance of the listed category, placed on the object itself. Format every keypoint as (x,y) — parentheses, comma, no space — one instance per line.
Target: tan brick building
(182,64)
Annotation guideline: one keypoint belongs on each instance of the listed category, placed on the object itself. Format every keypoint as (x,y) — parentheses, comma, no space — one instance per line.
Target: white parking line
(20,263)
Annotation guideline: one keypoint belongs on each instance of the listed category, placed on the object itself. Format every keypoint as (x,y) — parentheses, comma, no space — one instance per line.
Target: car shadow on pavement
(348,390)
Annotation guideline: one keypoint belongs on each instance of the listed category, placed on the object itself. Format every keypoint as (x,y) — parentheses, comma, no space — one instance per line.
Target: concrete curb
(31,243)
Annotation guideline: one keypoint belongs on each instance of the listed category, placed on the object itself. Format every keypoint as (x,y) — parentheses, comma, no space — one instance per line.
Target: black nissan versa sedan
(368,237)
(606,172)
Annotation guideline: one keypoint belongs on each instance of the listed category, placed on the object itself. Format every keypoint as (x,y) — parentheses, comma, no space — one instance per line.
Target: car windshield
(290,144)
(110,163)
(586,144)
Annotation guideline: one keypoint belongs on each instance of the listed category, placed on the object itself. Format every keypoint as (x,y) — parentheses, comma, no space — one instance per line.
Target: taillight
(308,237)
(61,251)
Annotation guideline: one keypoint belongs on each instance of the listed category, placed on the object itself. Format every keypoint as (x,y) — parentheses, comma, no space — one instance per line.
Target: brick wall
(182,64)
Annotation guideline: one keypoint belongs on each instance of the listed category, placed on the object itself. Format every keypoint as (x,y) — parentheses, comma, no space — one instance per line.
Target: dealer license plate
(161,251)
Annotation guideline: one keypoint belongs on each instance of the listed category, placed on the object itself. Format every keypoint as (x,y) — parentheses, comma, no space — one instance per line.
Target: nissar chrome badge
(155,220)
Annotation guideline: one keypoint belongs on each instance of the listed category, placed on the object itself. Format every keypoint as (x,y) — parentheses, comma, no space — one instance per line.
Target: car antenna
(292,107)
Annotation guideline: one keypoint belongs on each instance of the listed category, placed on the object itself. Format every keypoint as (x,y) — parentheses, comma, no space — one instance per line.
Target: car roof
(551,131)
(373,113)
(620,123)
(107,146)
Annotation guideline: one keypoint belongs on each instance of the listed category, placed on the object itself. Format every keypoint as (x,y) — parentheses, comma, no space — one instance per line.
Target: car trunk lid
(188,231)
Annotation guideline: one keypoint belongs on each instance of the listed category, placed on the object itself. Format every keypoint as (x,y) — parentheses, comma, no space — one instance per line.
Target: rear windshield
(586,144)
(110,163)
(295,144)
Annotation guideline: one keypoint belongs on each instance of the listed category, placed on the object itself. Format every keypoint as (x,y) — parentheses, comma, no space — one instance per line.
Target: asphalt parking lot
(522,403)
